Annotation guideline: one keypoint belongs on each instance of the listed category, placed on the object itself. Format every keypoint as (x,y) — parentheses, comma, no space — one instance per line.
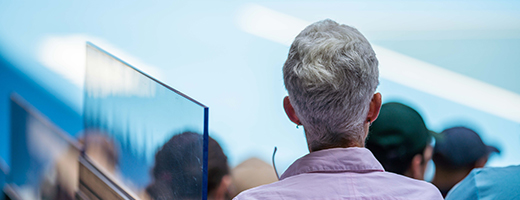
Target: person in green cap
(400,140)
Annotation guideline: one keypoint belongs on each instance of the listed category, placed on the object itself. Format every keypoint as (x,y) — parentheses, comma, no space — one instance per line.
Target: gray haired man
(331,75)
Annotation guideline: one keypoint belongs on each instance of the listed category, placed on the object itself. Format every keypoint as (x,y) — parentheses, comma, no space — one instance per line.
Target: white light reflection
(405,70)
(110,77)
(65,55)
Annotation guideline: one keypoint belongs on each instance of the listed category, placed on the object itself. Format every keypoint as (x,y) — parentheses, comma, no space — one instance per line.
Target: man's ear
(289,110)
(375,107)
(481,162)
(416,170)
(221,191)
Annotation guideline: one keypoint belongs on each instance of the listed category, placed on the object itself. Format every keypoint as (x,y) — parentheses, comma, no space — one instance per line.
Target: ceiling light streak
(405,70)
(65,55)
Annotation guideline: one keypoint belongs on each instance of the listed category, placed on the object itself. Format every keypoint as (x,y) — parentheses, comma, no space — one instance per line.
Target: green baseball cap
(398,134)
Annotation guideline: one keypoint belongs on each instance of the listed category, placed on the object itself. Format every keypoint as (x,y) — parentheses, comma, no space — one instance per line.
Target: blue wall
(12,80)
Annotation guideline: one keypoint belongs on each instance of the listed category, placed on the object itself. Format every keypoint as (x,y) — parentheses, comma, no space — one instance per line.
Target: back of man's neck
(332,147)
(444,180)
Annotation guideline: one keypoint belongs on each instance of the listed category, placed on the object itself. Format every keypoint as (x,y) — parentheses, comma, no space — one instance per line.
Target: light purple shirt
(341,173)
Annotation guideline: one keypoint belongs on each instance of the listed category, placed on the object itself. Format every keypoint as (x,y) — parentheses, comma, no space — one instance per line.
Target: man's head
(101,149)
(219,178)
(176,173)
(400,140)
(251,173)
(331,75)
(177,169)
(460,148)
(457,151)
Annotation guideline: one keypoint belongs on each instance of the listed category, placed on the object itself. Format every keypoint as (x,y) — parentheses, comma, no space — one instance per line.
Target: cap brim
(436,136)
(492,149)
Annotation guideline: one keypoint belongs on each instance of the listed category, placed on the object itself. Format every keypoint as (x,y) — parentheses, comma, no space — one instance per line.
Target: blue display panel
(156,136)
(44,159)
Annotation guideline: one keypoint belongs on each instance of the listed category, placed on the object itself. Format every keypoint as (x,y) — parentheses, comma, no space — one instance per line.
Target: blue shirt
(489,183)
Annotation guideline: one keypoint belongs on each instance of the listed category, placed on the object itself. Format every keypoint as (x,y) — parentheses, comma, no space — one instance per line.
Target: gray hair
(331,75)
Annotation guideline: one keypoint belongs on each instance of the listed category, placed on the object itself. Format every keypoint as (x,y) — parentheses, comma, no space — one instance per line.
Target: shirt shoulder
(374,185)
(412,188)
(489,183)
(261,192)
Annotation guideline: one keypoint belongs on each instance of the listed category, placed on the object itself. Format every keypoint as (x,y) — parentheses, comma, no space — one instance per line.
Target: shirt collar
(353,159)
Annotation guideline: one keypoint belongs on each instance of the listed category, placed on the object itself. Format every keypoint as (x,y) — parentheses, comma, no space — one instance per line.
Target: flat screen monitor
(154,138)
(44,159)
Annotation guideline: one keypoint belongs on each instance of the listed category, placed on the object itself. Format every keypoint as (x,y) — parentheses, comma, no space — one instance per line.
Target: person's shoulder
(414,187)
(465,189)
(494,171)
(495,182)
(260,192)
(407,180)
(389,185)
(295,187)
(495,175)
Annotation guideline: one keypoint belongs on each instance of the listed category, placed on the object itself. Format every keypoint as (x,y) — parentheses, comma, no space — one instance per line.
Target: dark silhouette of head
(400,140)
(177,173)
(218,172)
(457,151)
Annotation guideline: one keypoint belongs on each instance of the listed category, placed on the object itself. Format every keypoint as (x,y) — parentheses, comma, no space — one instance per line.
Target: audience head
(457,151)
(101,149)
(460,148)
(177,173)
(331,74)
(251,173)
(219,178)
(400,140)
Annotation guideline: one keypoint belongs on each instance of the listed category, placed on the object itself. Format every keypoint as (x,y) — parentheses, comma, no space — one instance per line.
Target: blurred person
(219,178)
(251,173)
(489,183)
(101,149)
(400,140)
(457,151)
(177,172)
(331,75)
(61,181)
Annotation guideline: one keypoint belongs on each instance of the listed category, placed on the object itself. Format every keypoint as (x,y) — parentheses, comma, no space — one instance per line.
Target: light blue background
(202,52)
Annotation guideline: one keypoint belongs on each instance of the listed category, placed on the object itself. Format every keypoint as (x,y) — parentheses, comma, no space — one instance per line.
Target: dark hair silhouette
(177,173)
(217,165)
